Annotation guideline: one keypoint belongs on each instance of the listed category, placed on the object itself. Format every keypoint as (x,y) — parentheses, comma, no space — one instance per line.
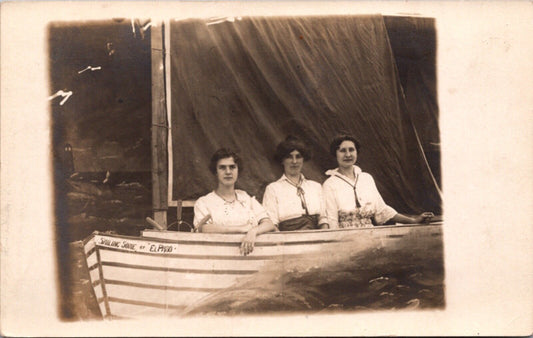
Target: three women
(348,198)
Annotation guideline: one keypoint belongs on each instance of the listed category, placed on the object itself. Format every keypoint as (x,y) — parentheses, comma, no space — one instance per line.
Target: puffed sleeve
(383,211)
(331,207)
(200,211)
(270,202)
(258,210)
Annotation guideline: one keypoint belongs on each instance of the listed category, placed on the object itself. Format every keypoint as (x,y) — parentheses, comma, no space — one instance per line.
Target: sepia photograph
(222,162)
(263,94)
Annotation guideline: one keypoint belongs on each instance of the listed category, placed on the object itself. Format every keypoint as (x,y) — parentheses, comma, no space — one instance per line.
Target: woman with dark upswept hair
(351,196)
(230,210)
(294,202)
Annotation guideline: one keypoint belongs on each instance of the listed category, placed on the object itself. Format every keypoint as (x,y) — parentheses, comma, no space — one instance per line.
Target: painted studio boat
(165,272)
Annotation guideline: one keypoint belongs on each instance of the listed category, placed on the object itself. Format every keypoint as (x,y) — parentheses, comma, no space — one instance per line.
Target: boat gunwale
(285,236)
(192,238)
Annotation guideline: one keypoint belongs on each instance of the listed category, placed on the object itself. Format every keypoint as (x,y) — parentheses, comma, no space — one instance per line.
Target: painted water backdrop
(405,276)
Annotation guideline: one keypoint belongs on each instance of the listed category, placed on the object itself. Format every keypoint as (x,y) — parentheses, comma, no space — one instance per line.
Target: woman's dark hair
(339,139)
(290,144)
(224,153)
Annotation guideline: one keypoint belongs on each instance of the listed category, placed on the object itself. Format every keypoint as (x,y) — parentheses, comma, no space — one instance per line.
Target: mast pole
(159,126)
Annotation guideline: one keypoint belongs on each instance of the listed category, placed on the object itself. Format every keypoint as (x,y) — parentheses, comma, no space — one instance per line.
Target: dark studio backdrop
(248,84)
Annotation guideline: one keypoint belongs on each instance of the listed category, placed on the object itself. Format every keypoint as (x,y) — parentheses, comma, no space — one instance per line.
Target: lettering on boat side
(135,245)
(160,248)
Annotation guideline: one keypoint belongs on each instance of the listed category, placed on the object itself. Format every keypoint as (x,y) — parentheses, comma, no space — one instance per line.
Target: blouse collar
(285,178)
(238,197)
(336,172)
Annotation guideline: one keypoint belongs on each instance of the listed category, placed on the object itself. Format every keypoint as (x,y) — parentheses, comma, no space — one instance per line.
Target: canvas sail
(247,83)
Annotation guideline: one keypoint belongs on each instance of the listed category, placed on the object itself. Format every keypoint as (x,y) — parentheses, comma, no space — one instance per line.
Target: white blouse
(339,196)
(244,210)
(282,202)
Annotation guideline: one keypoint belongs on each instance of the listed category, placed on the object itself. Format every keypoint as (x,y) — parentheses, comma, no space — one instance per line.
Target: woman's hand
(424,217)
(265,225)
(247,245)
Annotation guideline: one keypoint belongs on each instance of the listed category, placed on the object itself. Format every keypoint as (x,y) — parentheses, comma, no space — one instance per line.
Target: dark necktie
(357,204)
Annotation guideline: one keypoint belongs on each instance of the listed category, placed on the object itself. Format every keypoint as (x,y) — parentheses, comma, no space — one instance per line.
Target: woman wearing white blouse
(351,196)
(229,210)
(294,202)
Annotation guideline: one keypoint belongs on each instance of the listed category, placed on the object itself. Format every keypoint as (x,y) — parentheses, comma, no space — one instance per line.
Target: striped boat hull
(164,272)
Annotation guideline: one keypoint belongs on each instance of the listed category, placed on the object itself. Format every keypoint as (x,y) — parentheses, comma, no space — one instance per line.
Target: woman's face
(293,163)
(346,154)
(227,171)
